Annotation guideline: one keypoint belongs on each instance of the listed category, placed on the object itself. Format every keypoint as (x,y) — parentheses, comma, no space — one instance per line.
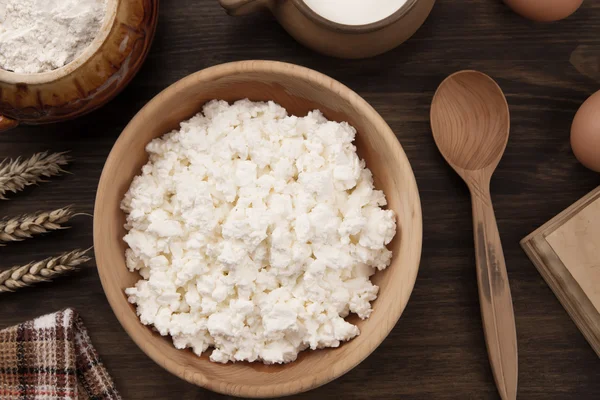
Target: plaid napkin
(52,358)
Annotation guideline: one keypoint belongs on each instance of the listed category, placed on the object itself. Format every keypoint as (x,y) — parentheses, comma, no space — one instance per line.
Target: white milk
(355,12)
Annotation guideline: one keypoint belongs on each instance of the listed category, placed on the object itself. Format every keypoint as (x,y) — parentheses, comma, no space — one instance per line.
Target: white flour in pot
(42,35)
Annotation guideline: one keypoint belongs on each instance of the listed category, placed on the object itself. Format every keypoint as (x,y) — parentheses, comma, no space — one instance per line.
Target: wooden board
(566,251)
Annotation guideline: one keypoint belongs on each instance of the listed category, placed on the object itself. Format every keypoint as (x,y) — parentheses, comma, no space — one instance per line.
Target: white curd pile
(255,233)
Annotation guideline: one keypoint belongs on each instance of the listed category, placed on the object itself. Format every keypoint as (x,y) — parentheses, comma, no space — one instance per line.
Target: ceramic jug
(334,39)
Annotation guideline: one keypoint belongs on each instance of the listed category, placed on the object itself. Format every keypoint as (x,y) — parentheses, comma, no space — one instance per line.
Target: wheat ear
(41,271)
(15,175)
(28,225)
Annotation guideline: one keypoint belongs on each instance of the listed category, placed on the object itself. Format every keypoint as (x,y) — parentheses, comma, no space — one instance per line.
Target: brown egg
(544,10)
(585,133)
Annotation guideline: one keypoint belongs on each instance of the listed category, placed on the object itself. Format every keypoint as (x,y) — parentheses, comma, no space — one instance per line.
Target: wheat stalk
(28,225)
(15,175)
(41,271)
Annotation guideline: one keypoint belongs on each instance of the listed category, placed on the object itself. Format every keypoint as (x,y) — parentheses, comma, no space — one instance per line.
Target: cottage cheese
(255,233)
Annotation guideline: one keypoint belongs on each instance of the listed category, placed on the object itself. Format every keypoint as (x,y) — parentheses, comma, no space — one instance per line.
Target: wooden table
(437,350)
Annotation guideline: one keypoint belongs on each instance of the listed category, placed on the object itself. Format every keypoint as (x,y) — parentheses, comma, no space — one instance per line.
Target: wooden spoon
(470,123)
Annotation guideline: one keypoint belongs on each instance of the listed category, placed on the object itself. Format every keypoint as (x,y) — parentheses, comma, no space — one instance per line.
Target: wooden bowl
(299,90)
(92,79)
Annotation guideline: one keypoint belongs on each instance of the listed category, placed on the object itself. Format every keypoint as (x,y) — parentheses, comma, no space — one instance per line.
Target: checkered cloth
(52,358)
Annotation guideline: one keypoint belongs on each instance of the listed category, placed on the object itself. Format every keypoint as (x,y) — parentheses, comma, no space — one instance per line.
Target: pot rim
(356,29)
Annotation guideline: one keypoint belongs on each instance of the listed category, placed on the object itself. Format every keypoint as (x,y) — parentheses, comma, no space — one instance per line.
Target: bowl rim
(108,22)
(310,76)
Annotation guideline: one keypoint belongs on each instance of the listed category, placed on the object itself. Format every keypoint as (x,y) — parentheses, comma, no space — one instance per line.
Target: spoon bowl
(470,121)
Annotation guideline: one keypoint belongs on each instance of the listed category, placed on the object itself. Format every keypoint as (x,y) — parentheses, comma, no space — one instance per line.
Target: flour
(42,35)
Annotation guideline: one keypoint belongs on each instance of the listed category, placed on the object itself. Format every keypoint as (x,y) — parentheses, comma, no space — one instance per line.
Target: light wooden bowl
(299,90)
(97,75)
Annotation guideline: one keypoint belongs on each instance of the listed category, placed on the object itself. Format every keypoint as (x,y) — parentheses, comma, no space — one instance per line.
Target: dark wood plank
(437,349)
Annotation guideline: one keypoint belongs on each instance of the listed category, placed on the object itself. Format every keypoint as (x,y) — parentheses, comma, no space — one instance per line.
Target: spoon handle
(494,296)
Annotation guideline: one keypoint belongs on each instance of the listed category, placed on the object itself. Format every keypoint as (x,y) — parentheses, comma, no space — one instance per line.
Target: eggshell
(544,10)
(585,133)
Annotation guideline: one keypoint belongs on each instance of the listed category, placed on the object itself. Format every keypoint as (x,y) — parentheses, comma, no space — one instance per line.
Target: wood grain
(566,251)
(470,122)
(437,350)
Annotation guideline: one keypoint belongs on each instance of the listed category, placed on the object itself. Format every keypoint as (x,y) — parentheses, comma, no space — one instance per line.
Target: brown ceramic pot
(92,79)
(334,39)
